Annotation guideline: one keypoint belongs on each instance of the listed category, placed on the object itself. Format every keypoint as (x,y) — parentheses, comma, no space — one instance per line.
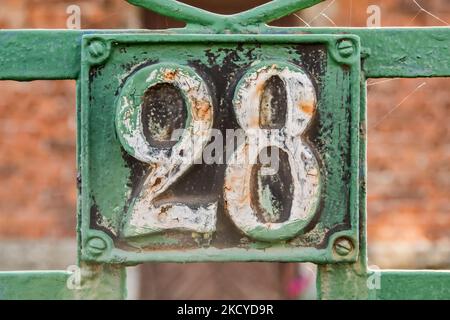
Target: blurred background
(408,157)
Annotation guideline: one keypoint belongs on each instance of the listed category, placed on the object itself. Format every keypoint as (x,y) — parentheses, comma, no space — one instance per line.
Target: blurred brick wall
(409,150)
(95,14)
(38,126)
(37,160)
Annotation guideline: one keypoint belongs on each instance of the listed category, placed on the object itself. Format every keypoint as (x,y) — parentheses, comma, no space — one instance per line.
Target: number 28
(146,216)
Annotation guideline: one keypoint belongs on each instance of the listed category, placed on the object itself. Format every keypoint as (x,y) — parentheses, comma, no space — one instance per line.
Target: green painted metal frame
(278,252)
(27,55)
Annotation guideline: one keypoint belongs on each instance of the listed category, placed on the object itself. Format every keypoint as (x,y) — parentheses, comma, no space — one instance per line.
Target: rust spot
(162,215)
(157,182)
(155,185)
(307,107)
(260,88)
(170,75)
(202,110)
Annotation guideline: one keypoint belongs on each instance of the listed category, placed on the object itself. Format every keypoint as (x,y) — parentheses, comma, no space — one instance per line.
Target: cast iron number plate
(173,132)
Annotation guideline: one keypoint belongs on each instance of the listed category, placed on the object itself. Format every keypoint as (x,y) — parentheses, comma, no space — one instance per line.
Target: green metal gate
(218,65)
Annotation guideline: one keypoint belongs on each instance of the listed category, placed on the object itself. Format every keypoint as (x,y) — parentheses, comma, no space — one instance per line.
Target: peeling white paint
(144,216)
(301,101)
(180,217)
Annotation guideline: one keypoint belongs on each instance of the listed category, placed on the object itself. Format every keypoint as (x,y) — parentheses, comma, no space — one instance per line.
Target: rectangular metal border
(320,256)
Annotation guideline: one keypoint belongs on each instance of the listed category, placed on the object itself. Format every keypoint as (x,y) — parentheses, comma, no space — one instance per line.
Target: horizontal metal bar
(389,52)
(427,284)
(39,54)
(35,285)
(95,282)
(399,52)
(43,54)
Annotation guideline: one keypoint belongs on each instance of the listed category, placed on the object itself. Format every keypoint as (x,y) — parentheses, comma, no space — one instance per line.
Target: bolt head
(96,246)
(343,246)
(97,48)
(346,48)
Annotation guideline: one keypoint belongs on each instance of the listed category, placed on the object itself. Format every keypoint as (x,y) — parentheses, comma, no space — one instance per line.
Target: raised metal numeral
(240,184)
(145,215)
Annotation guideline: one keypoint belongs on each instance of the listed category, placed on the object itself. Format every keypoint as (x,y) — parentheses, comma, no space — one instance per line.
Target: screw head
(96,246)
(97,48)
(343,246)
(346,48)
